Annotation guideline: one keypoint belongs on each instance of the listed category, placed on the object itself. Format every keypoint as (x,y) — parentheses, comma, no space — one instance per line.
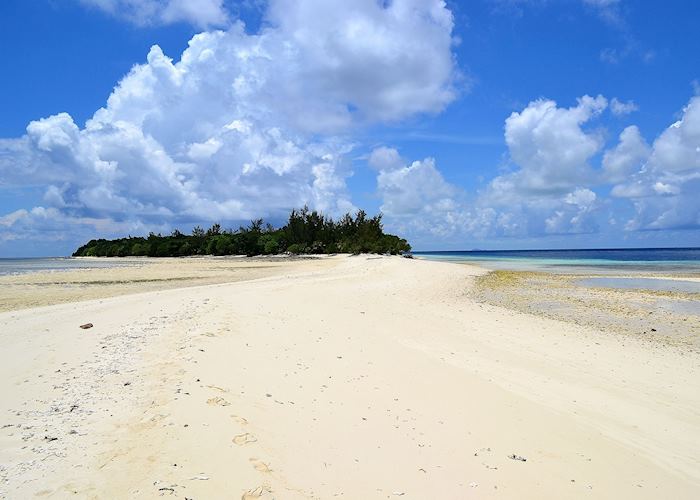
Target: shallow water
(683,307)
(607,261)
(22,266)
(656,284)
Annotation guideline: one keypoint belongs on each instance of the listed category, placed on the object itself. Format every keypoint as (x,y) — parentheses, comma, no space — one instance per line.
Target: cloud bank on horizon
(244,125)
(550,189)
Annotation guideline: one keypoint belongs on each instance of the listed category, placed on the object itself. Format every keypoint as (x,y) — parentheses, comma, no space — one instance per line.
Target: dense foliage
(306,232)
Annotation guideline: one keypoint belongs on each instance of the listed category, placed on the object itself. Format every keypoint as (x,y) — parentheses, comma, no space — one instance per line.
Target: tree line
(306,232)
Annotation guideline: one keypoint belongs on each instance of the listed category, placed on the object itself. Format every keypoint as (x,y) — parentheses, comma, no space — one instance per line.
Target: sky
(490,124)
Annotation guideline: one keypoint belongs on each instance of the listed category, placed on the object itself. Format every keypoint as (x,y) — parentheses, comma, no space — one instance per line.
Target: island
(306,232)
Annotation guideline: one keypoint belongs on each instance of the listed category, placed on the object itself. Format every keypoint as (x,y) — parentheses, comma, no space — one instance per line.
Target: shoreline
(382,374)
(130,275)
(667,317)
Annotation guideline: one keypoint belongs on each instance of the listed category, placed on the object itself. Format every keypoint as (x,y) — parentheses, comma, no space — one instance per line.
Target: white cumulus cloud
(559,182)
(550,146)
(665,187)
(242,125)
(549,192)
(200,13)
(626,157)
(620,108)
(417,200)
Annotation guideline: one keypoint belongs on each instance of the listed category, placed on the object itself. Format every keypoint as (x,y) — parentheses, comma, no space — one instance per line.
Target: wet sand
(671,317)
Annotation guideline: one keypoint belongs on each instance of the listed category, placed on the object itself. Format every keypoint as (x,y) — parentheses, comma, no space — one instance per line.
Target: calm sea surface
(21,266)
(610,261)
(668,261)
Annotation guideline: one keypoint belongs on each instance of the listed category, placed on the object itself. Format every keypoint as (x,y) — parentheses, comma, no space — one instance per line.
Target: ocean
(599,261)
(22,266)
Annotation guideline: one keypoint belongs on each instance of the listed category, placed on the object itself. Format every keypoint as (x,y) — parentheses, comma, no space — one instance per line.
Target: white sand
(344,377)
(134,274)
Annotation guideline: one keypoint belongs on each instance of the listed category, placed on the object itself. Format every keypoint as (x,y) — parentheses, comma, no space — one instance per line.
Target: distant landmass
(306,232)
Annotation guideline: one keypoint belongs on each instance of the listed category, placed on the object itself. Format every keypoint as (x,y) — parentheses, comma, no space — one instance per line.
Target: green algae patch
(501,279)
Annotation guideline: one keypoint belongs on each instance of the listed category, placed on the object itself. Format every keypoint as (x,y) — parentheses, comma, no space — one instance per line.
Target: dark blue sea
(662,260)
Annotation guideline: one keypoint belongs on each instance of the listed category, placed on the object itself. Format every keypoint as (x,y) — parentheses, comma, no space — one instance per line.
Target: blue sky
(489,123)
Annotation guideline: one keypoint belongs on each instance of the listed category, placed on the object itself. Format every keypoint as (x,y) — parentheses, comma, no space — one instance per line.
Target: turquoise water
(644,284)
(22,266)
(603,261)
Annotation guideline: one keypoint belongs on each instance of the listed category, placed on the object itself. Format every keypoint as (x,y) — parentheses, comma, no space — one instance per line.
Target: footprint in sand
(261,492)
(217,401)
(240,420)
(260,466)
(243,439)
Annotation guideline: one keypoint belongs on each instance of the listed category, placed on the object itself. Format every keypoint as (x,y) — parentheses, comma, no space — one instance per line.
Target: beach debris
(200,477)
(86,326)
(517,457)
(398,493)
(167,488)
(50,438)
(473,484)
(216,388)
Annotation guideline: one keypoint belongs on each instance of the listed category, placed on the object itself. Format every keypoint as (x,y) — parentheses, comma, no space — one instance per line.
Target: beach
(670,317)
(122,276)
(332,377)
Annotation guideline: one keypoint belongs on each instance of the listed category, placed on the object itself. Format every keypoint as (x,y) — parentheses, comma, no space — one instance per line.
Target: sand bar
(348,377)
